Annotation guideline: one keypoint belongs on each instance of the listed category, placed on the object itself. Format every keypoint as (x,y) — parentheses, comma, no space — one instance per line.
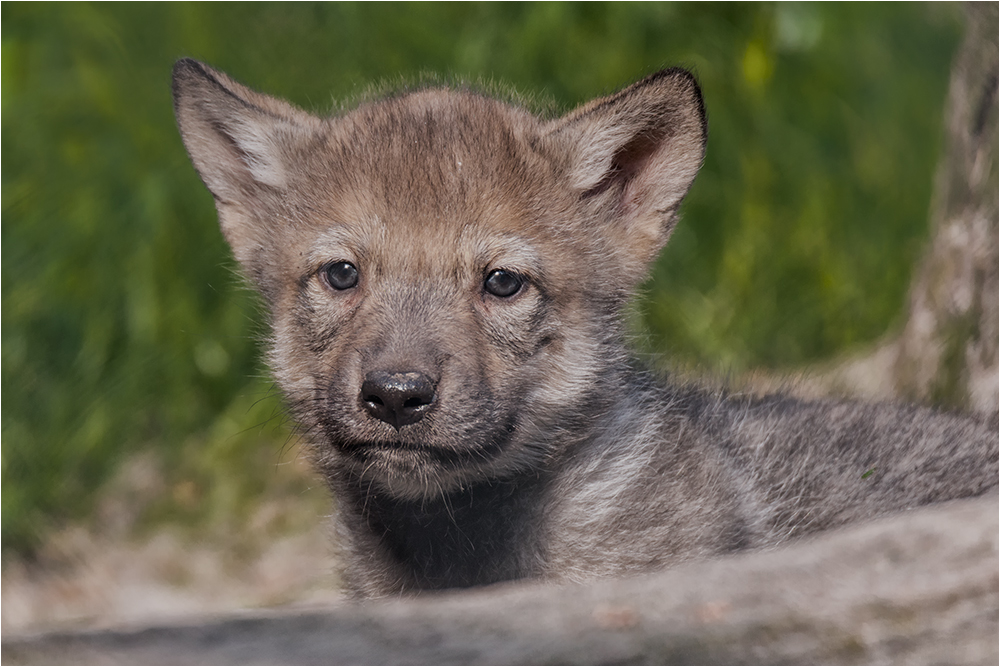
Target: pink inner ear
(627,166)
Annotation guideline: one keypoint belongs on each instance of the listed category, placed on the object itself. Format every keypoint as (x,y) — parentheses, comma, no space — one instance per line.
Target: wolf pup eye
(503,283)
(340,275)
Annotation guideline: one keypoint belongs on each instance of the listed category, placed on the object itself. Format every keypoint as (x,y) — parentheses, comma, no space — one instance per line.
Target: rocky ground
(916,588)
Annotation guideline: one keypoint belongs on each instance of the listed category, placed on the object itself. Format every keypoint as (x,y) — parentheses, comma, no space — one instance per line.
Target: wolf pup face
(444,272)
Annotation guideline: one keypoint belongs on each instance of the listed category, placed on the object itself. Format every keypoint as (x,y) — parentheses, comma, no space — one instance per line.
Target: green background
(126,329)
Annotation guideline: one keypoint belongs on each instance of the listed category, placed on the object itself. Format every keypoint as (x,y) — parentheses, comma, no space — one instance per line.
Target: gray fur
(540,449)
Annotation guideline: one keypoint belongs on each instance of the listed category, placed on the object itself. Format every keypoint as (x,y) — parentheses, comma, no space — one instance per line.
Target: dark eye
(503,283)
(340,275)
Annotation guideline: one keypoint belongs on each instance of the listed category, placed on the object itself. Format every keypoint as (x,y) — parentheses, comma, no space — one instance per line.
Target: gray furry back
(682,473)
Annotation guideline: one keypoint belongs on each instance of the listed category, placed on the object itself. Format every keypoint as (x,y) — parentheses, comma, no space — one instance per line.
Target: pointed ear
(241,142)
(634,155)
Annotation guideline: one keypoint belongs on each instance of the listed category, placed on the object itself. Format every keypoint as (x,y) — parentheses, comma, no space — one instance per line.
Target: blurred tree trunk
(947,353)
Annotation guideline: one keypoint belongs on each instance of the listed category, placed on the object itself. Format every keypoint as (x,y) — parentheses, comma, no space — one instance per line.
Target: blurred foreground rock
(920,587)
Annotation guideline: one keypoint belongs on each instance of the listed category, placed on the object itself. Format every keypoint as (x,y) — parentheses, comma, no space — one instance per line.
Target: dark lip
(443,456)
(387,446)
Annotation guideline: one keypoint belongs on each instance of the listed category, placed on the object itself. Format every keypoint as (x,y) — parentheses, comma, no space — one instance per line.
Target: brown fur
(472,435)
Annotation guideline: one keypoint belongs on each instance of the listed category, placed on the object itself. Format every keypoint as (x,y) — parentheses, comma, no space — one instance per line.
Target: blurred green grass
(125,328)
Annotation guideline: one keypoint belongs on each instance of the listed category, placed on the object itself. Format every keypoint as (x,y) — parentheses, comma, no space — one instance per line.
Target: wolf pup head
(445,272)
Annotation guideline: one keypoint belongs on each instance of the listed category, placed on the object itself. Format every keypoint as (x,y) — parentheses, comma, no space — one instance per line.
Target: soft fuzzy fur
(541,451)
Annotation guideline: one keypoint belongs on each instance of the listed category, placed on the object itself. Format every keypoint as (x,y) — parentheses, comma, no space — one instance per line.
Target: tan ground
(111,573)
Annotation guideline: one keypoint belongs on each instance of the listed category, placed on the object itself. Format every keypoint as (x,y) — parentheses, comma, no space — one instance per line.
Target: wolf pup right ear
(634,155)
(241,142)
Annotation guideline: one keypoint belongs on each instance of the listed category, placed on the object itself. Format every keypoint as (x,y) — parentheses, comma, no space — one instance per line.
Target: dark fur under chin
(473,535)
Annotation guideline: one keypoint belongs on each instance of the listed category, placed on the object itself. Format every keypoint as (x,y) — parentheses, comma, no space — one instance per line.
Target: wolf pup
(446,274)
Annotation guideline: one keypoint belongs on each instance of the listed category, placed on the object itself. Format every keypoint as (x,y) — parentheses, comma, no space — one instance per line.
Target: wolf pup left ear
(634,155)
(241,142)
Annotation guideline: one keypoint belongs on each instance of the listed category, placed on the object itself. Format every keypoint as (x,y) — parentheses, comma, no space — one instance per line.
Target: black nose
(397,399)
